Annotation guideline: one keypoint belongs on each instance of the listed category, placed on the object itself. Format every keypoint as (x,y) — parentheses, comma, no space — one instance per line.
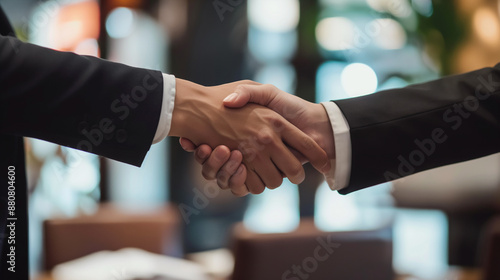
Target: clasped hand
(255,146)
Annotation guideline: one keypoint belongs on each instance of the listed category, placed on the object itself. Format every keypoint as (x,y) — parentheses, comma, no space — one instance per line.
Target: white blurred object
(398,8)
(392,35)
(127,264)
(43,150)
(218,263)
(420,243)
(120,23)
(362,210)
(465,186)
(274,211)
(336,33)
(359,79)
(274,16)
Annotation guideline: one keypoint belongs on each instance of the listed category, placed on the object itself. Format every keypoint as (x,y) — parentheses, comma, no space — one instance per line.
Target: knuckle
(222,184)
(199,159)
(222,178)
(275,183)
(230,167)
(241,88)
(308,143)
(207,175)
(239,194)
(265,136)
(296,170)
(257,189)
(271,87)
(240,190)
(235,183)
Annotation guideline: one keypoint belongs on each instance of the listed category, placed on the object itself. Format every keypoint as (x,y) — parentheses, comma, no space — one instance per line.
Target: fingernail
(231,97)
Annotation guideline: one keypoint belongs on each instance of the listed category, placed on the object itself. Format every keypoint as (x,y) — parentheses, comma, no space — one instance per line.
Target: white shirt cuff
(167,107)
(338,176)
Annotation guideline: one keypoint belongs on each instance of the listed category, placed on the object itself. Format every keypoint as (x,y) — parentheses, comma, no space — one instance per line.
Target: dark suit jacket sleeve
(400,132)
(81,102)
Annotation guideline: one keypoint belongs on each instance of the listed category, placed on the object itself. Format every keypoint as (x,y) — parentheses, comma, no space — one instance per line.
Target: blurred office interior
(439,224)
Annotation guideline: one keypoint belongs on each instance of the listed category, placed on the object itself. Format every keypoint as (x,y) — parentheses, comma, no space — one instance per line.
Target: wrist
(322,131)
(188,95)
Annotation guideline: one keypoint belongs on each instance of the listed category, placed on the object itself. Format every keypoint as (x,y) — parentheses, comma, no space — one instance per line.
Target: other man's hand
(309,117)
(261,135)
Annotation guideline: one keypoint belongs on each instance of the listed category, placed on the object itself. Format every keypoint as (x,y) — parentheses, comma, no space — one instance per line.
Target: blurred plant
(443,32)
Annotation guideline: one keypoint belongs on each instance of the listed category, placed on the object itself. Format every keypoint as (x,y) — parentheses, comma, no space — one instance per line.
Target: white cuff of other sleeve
(167,107)
(338,176)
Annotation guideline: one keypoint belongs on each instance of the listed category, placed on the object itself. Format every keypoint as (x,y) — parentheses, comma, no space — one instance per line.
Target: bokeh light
(120,23)
(398,8)
(270,47)
(391,36)
(275,15)
(486,25)
(358,79)
(423,7)
(283,76)
(328,85)
(335,33)
(274,211)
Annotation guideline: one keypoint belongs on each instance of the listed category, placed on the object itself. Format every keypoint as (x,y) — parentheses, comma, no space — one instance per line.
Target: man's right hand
(262,135)
(225,165)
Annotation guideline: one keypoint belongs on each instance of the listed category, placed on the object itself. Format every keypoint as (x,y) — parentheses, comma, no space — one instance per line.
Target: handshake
(250,136)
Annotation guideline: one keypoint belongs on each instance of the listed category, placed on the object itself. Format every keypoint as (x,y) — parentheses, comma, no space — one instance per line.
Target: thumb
(259,94)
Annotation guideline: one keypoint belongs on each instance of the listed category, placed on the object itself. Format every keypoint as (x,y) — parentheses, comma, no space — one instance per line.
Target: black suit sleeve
(399,132)
(77,101)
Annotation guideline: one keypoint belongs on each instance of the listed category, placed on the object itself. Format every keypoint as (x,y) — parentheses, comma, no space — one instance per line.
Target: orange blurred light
(75,24)
(126,3)
(487,26)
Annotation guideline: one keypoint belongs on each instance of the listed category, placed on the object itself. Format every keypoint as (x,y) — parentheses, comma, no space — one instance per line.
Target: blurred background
(439,224)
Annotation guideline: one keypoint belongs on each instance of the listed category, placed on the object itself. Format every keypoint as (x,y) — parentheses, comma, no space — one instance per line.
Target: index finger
(305,145)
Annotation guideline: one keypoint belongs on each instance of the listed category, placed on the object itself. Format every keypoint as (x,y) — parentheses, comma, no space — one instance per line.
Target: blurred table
(112,228)
(453,273)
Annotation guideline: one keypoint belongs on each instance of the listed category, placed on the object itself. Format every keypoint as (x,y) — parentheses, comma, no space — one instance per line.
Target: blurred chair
(308,253)
(491,250)
(110,228)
